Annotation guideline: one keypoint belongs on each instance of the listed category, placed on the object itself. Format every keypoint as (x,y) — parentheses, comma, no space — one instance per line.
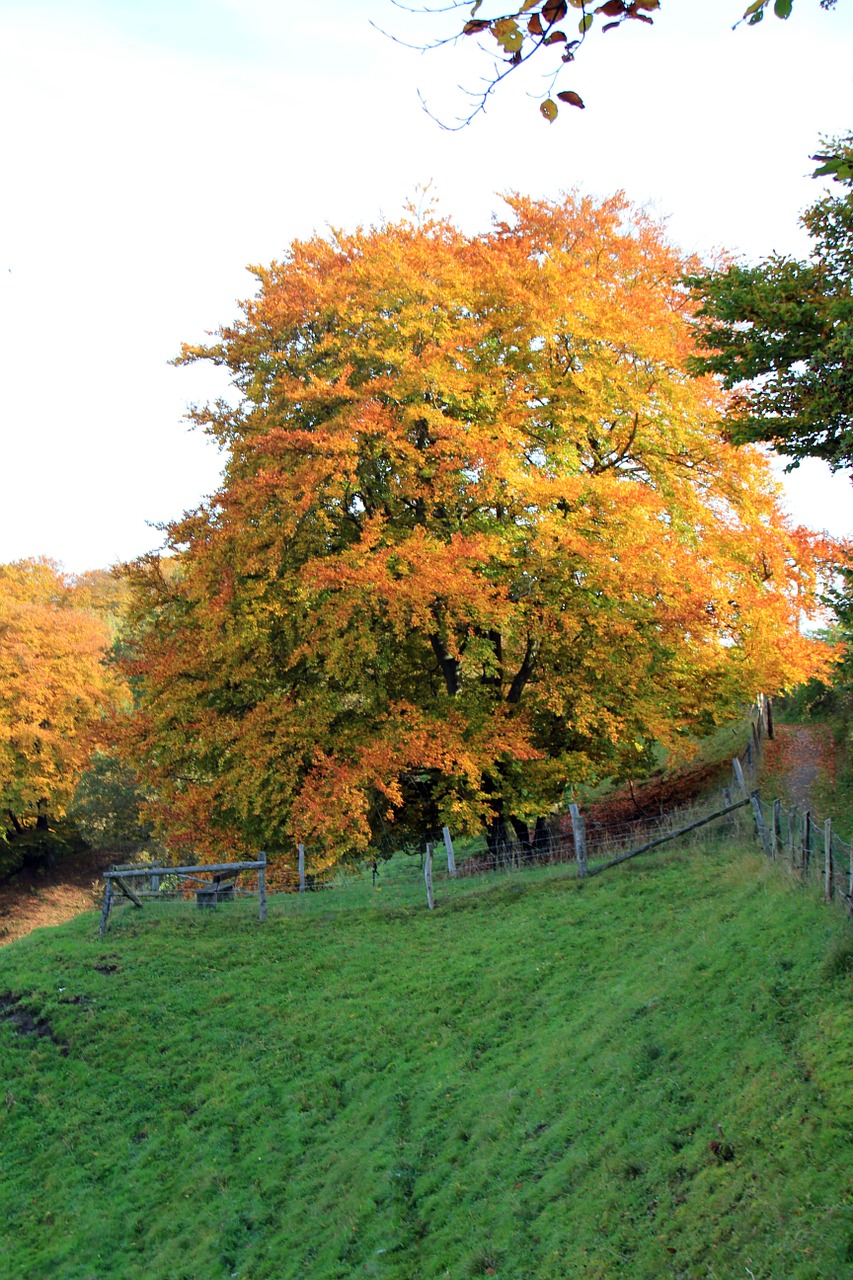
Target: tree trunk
(497,838)
(542,840)
(41,816)
(522,832)
(16,826)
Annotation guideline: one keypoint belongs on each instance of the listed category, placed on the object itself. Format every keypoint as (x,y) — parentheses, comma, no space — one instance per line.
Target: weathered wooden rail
(117,877)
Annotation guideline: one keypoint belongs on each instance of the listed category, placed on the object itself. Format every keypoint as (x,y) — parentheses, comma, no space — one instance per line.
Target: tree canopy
(553,33)
(781,333)
(480,538)
(54,689)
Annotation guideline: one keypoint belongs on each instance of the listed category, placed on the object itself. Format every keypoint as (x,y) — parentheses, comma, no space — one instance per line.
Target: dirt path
(796,760)
(33,899)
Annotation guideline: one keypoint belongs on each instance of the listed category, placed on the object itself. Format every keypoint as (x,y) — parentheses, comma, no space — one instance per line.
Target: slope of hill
(35,898)
(648,1076)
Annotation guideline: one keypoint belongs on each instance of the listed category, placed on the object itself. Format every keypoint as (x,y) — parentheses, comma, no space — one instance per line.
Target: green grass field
(647,1076)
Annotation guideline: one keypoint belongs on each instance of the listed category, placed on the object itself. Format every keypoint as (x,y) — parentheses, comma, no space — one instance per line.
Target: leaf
(476,7)
(756,17)
(508,34)
(573,99)
(839,167)
(554,11)
(646,4)
(549,110)
(556,37)
(585,23)
(755,7)
(534,26)
(782,8)
(471,27)
(528,4)
(612,8)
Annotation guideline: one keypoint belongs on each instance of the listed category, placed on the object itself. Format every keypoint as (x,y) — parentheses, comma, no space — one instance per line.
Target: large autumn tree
(55,691)
(480,537)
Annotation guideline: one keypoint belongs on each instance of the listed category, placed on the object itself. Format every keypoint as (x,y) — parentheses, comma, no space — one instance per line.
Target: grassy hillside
(647,1076)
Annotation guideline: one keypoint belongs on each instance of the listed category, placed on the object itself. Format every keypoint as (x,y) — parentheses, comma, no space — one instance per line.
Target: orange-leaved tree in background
(55,691)
(479,538)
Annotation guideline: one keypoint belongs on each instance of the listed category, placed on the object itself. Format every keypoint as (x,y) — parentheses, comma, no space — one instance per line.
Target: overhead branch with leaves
(552,32)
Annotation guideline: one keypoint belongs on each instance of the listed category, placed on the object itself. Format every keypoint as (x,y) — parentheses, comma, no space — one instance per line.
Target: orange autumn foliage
(480,537)
(55,689)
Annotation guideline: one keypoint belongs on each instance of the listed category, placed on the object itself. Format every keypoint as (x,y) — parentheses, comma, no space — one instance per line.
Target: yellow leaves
(508,34)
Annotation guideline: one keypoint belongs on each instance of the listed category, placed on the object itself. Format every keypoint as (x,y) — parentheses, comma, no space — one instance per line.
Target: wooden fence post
(579,832)
(777,828)
(105,909)
(760,828)
(428,876)
(301,850)
(262,889)
(827,860)
(807,841)
(792,836)
(451,857)
(769,718)
(737,773)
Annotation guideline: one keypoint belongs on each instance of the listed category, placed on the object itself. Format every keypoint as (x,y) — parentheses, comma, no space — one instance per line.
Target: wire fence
(571,846)
(810,847)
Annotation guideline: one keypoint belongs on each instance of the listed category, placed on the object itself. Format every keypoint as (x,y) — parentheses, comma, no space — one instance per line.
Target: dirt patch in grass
(15,1013)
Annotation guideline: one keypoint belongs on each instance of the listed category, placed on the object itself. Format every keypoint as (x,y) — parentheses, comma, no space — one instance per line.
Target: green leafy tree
(780,334)
(107,804)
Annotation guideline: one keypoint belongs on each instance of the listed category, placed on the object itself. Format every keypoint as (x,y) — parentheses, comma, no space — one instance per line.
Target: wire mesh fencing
(441,870)
(311,880)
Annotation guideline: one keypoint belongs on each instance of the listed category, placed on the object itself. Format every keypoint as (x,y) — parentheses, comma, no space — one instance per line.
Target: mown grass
(647,1076)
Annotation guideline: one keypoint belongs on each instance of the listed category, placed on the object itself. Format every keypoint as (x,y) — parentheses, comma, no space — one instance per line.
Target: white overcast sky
(153,148)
